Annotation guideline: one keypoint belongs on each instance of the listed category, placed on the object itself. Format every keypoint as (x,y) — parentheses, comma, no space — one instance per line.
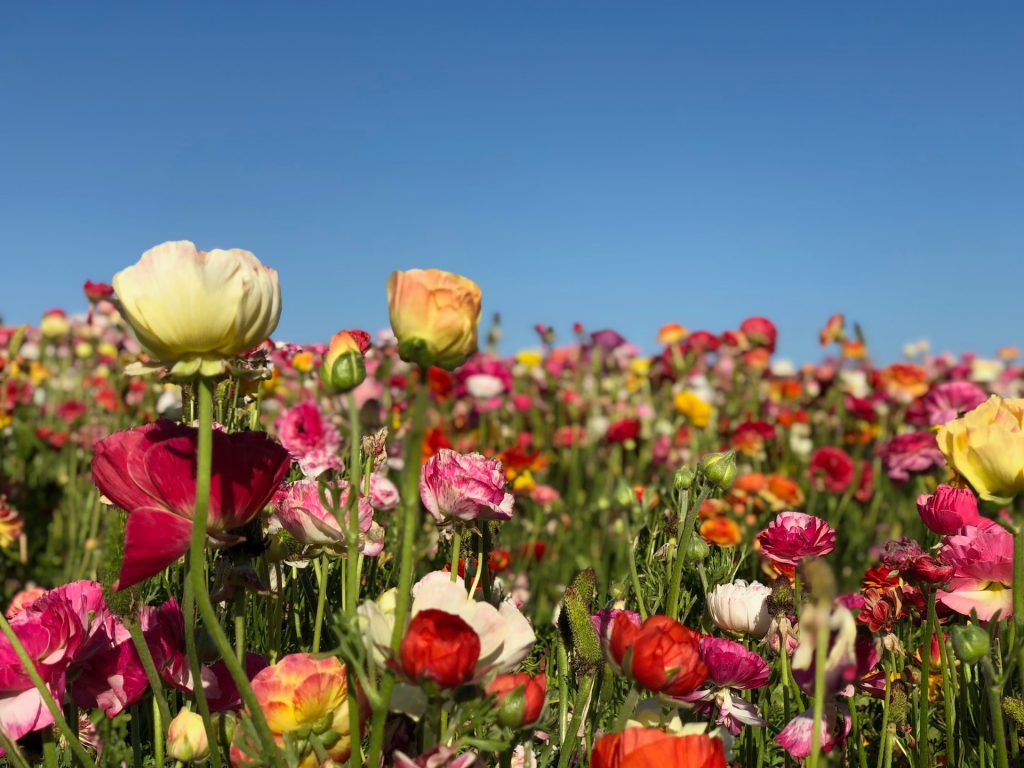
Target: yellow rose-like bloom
(193,310)
(693,408)
(434,315)
(303,695)
(986,447)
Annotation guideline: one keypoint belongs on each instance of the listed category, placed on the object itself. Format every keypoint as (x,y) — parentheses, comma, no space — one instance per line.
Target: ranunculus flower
(645,747)
(150,472)
(194,310)
(760,331)
(831,469)
(661,654)
(440,648)
(741,607)
(986,447)
(186,737)
(529,703)
(796,737)
(310,438)
(300,694)
(434,315)
(948,509)
(982,561)
(731,668)
(914,452)
(464,487)
(947,401)
(793,536)
(298,509)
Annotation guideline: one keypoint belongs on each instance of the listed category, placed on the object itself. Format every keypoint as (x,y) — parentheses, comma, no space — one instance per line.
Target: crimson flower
(439,647)
(793,536)
(831,468)
(661,654)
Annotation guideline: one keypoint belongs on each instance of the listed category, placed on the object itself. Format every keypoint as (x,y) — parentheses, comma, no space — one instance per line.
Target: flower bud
(683,479)
(343,368)
(520,698)
(720,469)
(971,643)
(697,550)
(186,738)
(434,316)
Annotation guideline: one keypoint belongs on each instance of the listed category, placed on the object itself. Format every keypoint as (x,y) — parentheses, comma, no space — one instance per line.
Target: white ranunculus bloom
(741,607)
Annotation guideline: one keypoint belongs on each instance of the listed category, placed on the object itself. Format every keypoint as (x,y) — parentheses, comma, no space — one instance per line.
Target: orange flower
(784,492)
(904,382)
(722,531)
(854,350)
(833,330)
(671,333)
(434,315)
(752,482)
(643,747)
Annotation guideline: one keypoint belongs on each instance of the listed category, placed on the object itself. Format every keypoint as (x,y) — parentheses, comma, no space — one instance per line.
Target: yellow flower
(434,315)
(529,358)
(641,366)
(986,447)
(303,362)
(186,738)
(193,310)
(524,483)
(54,325)
(693,408)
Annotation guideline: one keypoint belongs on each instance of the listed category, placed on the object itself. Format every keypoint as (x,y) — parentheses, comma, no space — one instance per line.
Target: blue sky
(621,164)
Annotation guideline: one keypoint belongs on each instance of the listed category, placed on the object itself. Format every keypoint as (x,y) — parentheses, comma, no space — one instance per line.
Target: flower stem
(197,575)
(456,551)
(352,568)
(820,658)
(672,606)
(139,641)
(321,600)
(926,670)
(570,739)
(158,731)
(947,688)
(188,608)
(58,717)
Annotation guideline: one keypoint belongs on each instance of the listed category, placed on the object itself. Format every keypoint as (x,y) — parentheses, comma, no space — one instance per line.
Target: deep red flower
(150,472)
(534,690)
(439,647)
(831,469)
(661,654)
(94,292)
(623,430)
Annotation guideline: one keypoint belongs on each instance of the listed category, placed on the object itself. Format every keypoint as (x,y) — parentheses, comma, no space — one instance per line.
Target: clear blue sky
(623,164)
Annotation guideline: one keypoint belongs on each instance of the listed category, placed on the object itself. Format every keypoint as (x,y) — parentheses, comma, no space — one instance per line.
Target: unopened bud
(720,469)
(186,738)
(683,479)
(343,368)
(697,550)
(971,643)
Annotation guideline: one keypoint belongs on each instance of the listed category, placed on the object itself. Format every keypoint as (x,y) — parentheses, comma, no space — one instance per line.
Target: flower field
(408,549)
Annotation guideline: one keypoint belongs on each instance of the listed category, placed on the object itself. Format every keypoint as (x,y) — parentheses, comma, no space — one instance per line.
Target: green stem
(12,751)
(995,705)
(685,523)
(158,733)
(456,551)
(634,577)
(926,670)
(352,567)
(321,600)
(570,739)
(820,658)
(627,709)
(188,608)
(71,736)
(947,688)
(197,575)
(50,746)
(139,641)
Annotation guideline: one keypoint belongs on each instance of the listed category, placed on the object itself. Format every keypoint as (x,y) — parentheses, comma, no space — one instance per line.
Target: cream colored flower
(194,310)
(986,447)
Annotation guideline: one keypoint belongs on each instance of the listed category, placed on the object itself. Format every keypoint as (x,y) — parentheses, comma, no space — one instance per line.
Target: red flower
(661,654)
(866,485)
(761,332)
(94,292)
(643,747)
(831,468)
(150,472)
(534,692)
(439,647)
(621,431)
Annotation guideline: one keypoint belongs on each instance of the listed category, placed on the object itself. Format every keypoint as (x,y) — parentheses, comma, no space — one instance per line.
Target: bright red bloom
(534,689)
(439,647)
(623,430)
(661,654)
(832,469)
(94,292)
(150,472)
(643,747)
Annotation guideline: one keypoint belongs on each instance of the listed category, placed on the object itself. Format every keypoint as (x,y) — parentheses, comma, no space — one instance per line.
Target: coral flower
(150,472)
(310,438)
(904,381)
(832,469)
(299,695)
(793,536)
(434,316)
(644,747)
(721,531)
(982,561)
(465,487)
(530,705)
(986,447)
(661,654)
(439,647)
(193,310)
(671,333)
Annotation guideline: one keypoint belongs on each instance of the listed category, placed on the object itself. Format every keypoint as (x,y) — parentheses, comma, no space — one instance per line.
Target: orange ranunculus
(751,482)
(671,333)
(986,447)
(434,315)
(663,655)
(642,747)
(904,382)
(784,491)
(722,531)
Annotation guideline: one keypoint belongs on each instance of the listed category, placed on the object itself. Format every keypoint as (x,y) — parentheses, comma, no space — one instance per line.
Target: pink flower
(948,509)
(948,401)
(298,509)
(796,737)
(913,452)
(438,757)
(464,486)
(731,667)
(793,536)
(383,493)
(310,438)
(982,561)
(51,632)
(150,472)
(603,620)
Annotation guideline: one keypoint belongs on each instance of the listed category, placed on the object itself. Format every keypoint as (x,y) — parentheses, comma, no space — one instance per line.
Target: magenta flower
(298,509)
(914,452)
(982,560)
(731,668)
(948,401)
(949,509)
(51,632)
(485,379)
(793,536)
(465,487)
(150,472)
(796,737)
(310,438)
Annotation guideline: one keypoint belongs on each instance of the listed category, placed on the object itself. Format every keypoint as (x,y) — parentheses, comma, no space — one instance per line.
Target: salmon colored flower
(440,648)
(434,315)
(302,696)
(904,382)
(194,310)
(722,531)
(833,330)
(986,447)
(645,747)
(150,472)
(661,654)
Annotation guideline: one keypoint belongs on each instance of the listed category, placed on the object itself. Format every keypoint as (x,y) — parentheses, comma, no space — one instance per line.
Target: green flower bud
(720,469)
(513,708)
(697,550)
(971,643)
(683,479)
(343,368)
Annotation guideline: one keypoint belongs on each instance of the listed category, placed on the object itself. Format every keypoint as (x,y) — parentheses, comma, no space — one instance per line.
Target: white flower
(483,386)
(855,383)
(741,607)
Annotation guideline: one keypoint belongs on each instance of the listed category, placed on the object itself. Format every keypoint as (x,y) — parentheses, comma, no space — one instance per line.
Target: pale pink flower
(796,737)
(438,757)
(310,438)
(793,536)
(741,607)
(464,487)
(982,561)
(299,510)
